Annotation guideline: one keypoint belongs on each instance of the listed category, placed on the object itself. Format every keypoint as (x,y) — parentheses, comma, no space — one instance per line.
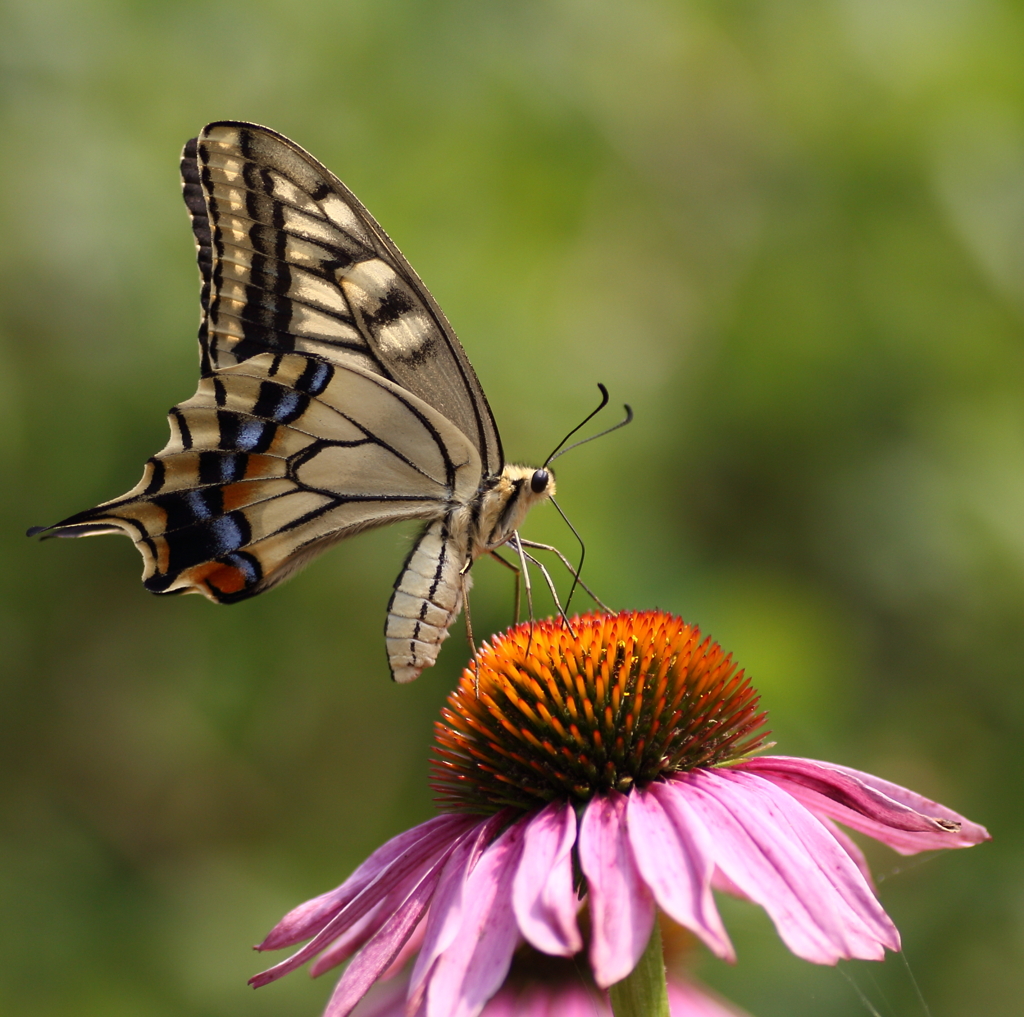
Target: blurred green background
(791,234)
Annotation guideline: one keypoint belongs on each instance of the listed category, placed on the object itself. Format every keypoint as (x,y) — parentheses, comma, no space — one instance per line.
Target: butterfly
(333,397)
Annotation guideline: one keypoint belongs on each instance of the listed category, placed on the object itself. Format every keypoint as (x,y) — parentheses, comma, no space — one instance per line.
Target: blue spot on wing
(227,533)
(289,406)
(249,435)
(202,542)
(196,502)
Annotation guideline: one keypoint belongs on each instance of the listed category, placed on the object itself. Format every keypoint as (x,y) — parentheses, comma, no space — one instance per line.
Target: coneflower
(607,764)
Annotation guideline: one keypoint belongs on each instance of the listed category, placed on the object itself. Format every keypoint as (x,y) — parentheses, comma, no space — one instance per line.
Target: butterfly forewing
(297,264)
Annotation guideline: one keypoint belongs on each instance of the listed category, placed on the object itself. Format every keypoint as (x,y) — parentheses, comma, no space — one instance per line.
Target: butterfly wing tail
(139,515)
(104,518)
(68,529)
(427,600)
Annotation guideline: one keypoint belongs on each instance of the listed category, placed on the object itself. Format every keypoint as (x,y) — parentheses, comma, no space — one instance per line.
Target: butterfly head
(505,505)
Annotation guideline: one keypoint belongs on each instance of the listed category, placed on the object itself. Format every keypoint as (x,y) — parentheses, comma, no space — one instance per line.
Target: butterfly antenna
(560,451)
(590,416)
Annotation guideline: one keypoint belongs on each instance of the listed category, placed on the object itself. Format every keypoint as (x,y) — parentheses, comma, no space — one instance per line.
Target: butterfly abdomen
(428,597)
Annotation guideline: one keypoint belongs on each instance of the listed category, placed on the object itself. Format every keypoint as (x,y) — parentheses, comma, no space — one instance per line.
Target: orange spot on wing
(263,466)
(216,577)
(236,496)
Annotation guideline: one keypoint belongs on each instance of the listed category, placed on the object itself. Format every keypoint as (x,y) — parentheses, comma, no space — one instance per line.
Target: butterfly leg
(515,569)
(463,574)
(517,543)
(525,572)
(533,545)
(554,593)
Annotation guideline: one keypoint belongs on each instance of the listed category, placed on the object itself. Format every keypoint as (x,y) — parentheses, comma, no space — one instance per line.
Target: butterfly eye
(539,481)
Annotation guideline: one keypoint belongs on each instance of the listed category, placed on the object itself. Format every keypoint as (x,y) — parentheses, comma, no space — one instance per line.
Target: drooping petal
(343,948)
(847,843)
(621,906)
(380,952)
(543,898)
(474,965)
(723,884)
(833,861)
(906,821)
(408,951)
(350,940)
(675,856)
(384,1001)
(410,846)
(445,916)
(381,897)
(756,848)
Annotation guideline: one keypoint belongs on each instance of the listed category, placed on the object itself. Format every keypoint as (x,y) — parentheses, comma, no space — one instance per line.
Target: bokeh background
(791,234)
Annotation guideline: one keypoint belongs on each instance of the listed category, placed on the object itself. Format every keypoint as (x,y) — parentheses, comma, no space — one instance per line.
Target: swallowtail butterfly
(334,397)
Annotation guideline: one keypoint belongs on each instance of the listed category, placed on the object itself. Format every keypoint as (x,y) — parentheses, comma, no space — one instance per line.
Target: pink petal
(835,862)
(381,898)
(445,916)
(343,948)
(675,856)
(906,821)
(309,918)
(505,1003)
(411,948)
(809,886)
(473,967)
(543,898)
(387,1000)
(350,940)
(621,907)
(723,884)
(850,846)
(380,952)
(558,999)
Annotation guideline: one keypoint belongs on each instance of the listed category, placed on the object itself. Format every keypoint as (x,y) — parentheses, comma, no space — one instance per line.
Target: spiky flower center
(546,712)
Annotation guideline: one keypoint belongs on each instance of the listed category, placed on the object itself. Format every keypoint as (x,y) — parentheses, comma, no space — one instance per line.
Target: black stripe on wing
(195,202)
(275,260)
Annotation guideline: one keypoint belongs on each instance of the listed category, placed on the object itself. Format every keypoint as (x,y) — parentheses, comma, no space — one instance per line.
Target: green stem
(642,992)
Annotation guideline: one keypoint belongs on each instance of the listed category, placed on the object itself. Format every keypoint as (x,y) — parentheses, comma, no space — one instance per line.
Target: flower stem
(642,992)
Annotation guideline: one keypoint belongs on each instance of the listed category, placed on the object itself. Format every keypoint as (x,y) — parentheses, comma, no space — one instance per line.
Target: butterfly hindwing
(273,460)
